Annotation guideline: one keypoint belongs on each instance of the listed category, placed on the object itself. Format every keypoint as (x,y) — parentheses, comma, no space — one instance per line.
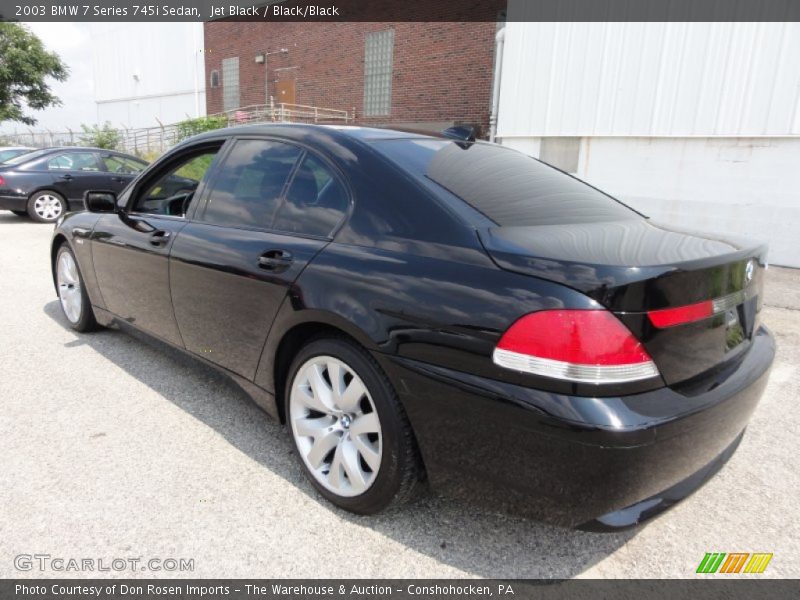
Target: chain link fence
(155,140)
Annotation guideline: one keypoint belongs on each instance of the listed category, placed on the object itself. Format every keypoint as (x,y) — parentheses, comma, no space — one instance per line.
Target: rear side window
(248,189)
(508,187)
(73,161)
(315,203)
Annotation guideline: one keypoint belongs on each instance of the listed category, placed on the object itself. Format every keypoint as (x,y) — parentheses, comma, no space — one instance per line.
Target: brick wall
(442,72)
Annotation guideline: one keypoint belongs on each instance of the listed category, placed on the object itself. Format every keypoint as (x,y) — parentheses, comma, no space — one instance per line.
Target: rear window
(18,160)
(8,154)
(508,187)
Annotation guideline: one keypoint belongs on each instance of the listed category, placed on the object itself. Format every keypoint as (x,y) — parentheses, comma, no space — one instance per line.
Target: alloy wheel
(69,287)
(48,207)
(335,426)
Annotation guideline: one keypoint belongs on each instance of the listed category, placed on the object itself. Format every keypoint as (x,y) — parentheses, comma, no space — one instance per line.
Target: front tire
(72,293)
(350,431)
(46,206)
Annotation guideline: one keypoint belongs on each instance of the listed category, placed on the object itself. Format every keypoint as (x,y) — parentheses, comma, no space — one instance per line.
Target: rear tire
(46,206)
(72,293)
(359,451)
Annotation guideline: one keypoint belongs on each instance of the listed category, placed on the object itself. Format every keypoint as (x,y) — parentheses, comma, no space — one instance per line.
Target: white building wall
(148,72)
(650,79)
(694,124)
(747,186)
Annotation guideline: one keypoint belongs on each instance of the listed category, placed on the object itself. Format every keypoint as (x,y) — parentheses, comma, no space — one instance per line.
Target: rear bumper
(594,462)
(13,202)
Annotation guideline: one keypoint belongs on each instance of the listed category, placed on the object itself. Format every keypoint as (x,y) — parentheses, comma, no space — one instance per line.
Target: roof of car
(85,148)
(300,129)
(44,151)
(378,133)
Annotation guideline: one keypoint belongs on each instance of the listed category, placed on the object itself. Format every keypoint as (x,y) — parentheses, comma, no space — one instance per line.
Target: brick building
(426,75)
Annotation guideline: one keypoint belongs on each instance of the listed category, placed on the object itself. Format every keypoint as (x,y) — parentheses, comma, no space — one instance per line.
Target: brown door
(284,92)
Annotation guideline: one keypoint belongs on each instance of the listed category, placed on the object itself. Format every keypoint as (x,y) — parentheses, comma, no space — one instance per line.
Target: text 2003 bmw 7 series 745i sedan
(428,308)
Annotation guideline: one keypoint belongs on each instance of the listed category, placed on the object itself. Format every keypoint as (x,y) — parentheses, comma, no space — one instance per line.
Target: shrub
(191,127)
(148,155)
(101,137)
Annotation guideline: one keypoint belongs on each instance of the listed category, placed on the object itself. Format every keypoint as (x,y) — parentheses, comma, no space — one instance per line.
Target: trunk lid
(633,266)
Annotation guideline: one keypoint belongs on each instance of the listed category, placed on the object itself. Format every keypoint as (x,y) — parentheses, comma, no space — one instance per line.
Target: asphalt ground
(111,447)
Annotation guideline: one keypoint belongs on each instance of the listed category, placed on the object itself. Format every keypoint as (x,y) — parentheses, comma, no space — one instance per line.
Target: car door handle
(159,238)
(118,179)
(275,260)
(66,177)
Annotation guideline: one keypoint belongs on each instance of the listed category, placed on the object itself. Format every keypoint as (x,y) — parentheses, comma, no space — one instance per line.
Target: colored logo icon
(734,562)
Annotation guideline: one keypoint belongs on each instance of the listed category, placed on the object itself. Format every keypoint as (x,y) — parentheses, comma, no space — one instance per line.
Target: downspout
(499,42)
(195,56)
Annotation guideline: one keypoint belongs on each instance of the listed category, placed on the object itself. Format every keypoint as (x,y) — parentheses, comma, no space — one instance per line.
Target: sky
(72,42)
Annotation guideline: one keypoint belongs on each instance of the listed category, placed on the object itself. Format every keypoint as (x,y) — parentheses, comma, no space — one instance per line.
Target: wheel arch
(59,240)
(49,189)
(280,354)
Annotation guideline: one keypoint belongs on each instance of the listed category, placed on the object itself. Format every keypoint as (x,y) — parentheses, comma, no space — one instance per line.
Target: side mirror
(100,201)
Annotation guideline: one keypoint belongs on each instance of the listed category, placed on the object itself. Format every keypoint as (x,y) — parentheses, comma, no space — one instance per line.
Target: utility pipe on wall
(499,42)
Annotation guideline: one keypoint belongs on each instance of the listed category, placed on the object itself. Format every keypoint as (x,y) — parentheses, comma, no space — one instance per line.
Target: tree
(191,127)
(24,68)
(101,137)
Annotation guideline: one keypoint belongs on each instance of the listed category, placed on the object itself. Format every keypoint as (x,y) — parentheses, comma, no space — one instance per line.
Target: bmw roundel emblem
(748,272)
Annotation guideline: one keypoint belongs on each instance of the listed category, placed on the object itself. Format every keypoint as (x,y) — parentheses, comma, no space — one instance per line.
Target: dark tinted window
(508,187)
(315,203)
(248,189)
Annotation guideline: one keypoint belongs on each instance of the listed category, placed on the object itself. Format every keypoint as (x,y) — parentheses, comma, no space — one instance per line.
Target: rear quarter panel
(442,305)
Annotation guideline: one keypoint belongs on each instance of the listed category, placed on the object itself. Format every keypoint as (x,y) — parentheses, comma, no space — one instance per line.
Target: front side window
(73,161)
(248,189)
(123,165)
(315,203)
(172,193)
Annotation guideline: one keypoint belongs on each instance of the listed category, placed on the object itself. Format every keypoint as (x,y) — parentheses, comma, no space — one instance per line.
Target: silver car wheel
(335,426)
(48,207)
(69,287)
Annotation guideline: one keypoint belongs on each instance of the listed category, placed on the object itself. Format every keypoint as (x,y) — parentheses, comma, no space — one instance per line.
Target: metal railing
(146,140)
(285,113)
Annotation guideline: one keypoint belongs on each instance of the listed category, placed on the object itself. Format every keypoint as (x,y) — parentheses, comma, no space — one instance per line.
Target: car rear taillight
(588,346)
(2,181)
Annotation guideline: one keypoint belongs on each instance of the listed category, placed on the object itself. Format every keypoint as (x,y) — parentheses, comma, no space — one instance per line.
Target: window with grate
(378,54)
(230,83)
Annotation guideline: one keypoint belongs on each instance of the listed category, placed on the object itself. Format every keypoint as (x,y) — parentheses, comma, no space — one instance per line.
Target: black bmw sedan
(44,184)
(418,308)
